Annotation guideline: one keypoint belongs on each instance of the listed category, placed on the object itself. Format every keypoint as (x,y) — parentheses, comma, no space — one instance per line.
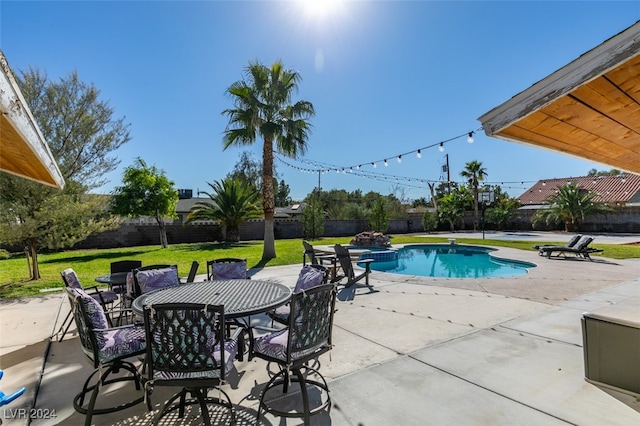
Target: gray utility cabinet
(611,344)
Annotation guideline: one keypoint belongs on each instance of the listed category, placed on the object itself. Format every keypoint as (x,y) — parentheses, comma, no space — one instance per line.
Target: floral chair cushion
(120,342)
(97,320)
(309,277)
(71,278)
(153,279)
(229,271)
(274,345)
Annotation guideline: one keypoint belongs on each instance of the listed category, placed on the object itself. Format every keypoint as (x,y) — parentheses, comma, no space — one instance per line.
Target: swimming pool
(446,261)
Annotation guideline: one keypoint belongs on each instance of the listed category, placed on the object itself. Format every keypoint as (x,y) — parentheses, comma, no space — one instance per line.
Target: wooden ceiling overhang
(590,108)
(23,150)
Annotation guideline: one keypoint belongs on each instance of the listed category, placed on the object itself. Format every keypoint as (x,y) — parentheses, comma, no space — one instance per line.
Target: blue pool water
(446,261)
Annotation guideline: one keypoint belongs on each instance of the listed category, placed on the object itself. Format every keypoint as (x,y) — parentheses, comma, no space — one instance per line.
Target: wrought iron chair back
(186,346)
(307,337)
(310,323)
(226,268)
(105,298)
(138,288)
(107,349)
(125,265)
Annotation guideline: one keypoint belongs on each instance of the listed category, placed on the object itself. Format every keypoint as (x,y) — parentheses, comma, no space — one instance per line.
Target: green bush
(429,221)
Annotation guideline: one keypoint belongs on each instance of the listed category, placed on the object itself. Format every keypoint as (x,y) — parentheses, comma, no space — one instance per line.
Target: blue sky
(385,78)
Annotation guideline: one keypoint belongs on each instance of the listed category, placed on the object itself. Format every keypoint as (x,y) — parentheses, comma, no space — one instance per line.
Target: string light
(402,180)
(418,153)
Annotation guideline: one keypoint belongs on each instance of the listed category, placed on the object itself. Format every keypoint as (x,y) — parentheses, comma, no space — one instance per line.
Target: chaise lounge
(581,249)
(571,243)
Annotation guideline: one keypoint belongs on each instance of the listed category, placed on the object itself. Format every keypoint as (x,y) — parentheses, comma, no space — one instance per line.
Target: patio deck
(417,351)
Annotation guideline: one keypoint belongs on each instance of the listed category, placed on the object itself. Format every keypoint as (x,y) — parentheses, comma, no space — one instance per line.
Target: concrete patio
(416,351)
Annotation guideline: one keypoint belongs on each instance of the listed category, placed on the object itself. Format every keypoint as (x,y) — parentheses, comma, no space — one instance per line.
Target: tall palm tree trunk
(475,207)
(268,200)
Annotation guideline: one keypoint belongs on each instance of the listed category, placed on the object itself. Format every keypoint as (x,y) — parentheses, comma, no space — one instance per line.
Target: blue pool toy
(6,399)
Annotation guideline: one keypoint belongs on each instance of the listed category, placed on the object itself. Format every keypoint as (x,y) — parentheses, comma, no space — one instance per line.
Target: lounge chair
(572,242)
(346,262)
(316,257)
(581,249)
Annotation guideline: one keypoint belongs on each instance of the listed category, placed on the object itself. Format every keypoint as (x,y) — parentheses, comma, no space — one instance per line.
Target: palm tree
(475,173)
(569,205)
(233,202)
(263,108)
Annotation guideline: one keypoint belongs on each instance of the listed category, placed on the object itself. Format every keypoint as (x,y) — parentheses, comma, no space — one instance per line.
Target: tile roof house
(616,190)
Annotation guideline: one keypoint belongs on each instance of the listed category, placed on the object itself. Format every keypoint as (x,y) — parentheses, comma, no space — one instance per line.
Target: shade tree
(146,191)
(82,133)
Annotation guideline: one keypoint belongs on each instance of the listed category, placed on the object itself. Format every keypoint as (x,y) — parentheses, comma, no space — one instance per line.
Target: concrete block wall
(625,219)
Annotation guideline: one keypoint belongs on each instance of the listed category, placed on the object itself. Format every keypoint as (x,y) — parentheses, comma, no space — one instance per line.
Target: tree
(570,205)
(146,191)
(475,173)
(248,170)
(503,211)
(233,201)
(82,133)
(379,218)
(612,172)
(420,202)
(263,108)
(313,221)
(429,221)
(453,206)
(282,198)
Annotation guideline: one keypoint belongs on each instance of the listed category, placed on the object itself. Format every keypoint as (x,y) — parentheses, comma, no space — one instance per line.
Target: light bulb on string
(399,158)
(441,147)
(470,137)
(385,163)
(374,165)
(419,154)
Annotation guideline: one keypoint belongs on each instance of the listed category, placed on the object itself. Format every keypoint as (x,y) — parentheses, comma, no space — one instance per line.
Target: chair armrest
(119,327)
(94,288)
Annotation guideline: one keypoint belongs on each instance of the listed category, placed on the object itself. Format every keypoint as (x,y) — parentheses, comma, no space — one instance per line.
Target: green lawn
(89,264)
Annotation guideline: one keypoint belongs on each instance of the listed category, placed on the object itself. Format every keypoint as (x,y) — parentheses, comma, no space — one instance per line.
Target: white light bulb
(419,154)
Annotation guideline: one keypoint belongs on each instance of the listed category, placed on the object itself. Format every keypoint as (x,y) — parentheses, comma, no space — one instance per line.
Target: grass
(89,264)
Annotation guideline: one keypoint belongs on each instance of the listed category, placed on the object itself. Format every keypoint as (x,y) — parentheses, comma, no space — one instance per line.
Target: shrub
(429,221)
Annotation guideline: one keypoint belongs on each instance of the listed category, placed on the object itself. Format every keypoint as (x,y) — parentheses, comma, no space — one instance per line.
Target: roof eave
(585,68)
(24,150)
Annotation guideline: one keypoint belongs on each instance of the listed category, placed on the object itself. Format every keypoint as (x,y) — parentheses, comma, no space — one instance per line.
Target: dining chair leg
(65,325)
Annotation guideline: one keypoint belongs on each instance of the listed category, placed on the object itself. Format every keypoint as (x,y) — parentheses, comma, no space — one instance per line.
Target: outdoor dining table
(115,279)
(241,298)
